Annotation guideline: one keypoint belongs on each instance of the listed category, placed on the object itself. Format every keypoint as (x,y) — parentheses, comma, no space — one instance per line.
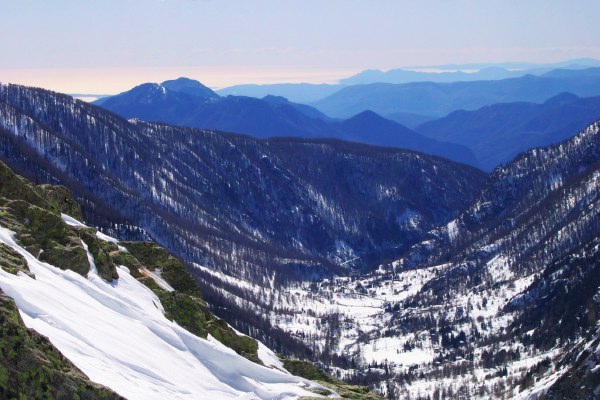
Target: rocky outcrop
(32,368)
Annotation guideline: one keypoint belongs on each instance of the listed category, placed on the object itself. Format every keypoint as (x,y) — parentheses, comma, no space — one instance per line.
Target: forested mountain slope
(263,211)
(188,103)
(125,314)
(497,133)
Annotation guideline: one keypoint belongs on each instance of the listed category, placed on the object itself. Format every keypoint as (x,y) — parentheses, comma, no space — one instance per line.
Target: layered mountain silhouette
(296,92)
(198,191)
(310,93)
(189,103)
(464,72)
(439,99)
(493,277)
(497,133)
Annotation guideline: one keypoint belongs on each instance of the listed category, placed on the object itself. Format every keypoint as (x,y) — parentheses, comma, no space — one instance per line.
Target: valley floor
(368,321)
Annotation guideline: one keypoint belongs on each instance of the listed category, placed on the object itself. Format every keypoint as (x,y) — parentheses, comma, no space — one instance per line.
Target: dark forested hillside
(518,270)
(187,103)
(476,276)
(501,302)
(534,207)
(261,211)
(201,192)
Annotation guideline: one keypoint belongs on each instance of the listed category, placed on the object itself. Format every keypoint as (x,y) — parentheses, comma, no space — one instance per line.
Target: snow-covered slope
(498,303)
(245,207)
(117,334)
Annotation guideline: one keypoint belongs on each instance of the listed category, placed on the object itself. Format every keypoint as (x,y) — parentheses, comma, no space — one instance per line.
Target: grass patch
(308,370)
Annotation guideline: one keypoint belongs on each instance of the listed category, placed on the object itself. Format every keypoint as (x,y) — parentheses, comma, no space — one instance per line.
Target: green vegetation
(13,262)
(157,259)
(56,199)
(101,250)
(309,371)
(45,235)
(185,305)
(61,199)
(33,213)
(127,260)
(32,368)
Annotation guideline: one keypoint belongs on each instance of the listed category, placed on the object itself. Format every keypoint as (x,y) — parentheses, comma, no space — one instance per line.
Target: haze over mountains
(483,123)
(267,117)
(464,72)
(426,229)
(403,271)
(438,99)
(497,133)
(296,92)
(310,93)
(351,242)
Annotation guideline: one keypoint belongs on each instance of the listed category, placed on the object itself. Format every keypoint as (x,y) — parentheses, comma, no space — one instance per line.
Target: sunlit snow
(116,334)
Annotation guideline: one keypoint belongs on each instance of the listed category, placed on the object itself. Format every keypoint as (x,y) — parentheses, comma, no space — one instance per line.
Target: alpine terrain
(417,276)
(189,103)
(116,312)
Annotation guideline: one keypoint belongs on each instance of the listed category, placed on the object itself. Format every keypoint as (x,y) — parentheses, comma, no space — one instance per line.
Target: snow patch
(453,230)
(67,219)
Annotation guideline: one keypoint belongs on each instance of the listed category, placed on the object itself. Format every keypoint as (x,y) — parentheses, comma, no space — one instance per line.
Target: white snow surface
(158,279)
(117,335)
(269,358)
(106,238)
(67,219)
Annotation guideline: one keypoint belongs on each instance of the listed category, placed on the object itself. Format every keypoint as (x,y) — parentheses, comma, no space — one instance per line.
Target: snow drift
(116,333)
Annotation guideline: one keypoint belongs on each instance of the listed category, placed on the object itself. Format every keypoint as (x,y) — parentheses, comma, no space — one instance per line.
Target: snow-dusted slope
(501,302)
(117,334)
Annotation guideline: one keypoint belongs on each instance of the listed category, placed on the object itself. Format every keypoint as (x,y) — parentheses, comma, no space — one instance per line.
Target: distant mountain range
(499,132)
(504,117)
(189,103)
(463,72)
(296,92)
(439,99)
(310,93)
(421,275)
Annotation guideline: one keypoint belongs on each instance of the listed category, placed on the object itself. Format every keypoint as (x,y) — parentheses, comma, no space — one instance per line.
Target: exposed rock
(12,262)
(32,368)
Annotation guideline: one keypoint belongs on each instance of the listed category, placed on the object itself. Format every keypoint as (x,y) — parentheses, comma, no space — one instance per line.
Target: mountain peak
(191,87)
(562,98)
(368,115)
(147,87)
(371,119)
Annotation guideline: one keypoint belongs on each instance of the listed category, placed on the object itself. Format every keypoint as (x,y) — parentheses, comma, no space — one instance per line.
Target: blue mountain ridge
(268,117)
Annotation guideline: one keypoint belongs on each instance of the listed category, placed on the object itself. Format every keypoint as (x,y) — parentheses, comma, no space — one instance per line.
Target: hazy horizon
(108,47)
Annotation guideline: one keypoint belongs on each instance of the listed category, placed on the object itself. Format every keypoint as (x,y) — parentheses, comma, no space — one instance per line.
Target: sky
(109,46)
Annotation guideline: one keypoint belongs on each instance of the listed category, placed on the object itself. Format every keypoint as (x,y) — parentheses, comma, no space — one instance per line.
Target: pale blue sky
(109,45)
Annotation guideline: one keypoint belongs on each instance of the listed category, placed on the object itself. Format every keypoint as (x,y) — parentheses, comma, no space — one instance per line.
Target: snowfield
(353,316)
(116,334)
